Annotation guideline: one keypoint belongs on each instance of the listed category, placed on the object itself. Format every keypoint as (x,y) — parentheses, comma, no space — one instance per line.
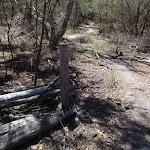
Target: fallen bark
(14,102)
(20,131)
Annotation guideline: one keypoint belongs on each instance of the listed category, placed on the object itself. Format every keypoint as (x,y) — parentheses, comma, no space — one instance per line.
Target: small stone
(89,133)
(74,75)
(79,131)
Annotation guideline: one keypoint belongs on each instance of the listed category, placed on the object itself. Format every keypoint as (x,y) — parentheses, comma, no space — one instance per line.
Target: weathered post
(64,77)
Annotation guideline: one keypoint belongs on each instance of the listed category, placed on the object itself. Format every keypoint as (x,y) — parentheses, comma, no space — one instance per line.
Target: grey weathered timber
(47,94)
(23,94)
(17,89)
(23,130)
(64,77)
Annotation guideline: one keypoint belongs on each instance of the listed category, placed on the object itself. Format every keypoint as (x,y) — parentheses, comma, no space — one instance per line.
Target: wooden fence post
(64,77)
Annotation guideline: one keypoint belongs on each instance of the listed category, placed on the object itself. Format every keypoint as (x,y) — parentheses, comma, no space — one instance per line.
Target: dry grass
(85,39)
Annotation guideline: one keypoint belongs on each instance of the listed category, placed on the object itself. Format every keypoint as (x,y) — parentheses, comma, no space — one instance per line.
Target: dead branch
(98,57)
(23,94)
(143,61)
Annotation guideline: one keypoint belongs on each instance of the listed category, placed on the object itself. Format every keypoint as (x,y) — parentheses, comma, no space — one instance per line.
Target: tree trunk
(17,99)
(23,94)
(20,131)
(55,38)
(40,47)
(145,21)
(137,19)
(76,14)
(9,27)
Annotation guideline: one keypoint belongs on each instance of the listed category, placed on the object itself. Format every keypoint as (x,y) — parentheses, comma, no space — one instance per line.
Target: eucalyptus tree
(7,18)
(133,16)
(59,13)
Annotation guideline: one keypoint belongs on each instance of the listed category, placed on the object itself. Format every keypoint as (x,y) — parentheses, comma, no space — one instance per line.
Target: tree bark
(20,131)
(55,38)
(145,21)
(40,47)
(5,102)
(137,19)
(23,94)
(8,30)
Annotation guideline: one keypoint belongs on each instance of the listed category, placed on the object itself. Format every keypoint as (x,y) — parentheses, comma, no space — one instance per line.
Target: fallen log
(14,102)
(28,92)
(17,89)
(44,95)
(20,131)
(23,94)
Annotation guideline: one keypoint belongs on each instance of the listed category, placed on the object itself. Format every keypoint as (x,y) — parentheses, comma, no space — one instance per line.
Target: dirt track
(133,90)
(136,88)
(116,110)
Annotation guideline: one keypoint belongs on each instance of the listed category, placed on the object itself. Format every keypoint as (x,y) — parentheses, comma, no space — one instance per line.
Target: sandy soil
(131,87)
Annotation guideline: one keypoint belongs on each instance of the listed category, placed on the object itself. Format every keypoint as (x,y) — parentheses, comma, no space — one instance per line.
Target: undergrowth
(85,39)
(70,31)
(112,79)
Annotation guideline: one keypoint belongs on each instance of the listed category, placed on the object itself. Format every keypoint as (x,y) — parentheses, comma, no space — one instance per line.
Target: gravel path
(135,94)
(136,88)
